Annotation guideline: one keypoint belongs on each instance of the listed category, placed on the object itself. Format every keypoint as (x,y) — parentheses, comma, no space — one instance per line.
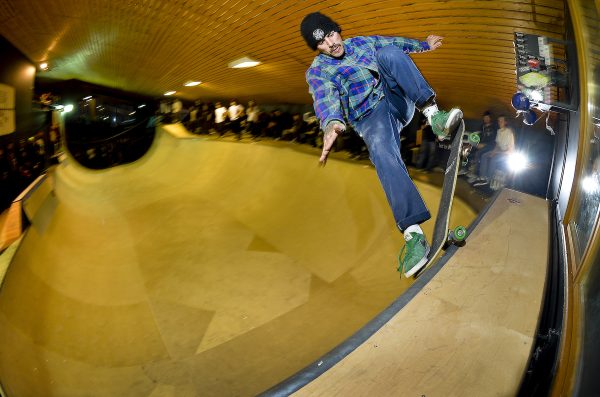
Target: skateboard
(442,237)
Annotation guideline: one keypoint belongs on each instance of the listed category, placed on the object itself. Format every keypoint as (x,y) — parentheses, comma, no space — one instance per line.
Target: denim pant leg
(498,163)
(403,84)
(381,133)
(480,152)
(484,165)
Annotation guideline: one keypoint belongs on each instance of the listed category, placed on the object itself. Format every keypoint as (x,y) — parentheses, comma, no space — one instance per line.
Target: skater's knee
(389,53)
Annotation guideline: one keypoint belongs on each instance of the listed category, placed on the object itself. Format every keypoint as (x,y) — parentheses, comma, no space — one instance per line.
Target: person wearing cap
(487,136)
(372,84)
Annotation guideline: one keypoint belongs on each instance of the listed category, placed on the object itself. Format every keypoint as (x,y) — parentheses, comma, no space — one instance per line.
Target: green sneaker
(415,257)
(442,123)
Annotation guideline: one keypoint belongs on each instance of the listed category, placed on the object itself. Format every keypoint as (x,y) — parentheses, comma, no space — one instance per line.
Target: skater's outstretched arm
(434,41)
(330,135)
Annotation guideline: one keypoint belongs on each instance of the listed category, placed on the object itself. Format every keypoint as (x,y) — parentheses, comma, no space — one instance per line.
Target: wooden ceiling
(152,46)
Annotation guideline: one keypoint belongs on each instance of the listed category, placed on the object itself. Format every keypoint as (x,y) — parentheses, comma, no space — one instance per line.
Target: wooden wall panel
(152,46)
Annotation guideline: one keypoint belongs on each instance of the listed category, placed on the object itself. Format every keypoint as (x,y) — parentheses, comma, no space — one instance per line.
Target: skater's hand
(328,139)
(434,41)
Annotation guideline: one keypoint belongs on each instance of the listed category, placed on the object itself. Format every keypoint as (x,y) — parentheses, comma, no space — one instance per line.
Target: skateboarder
(371,83)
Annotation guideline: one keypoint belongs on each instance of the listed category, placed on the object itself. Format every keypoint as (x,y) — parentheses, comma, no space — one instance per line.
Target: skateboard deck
(441,235)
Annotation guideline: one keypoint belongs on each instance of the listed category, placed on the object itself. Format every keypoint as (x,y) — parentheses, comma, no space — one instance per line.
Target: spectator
(274,126)
(176,109)
(165,108)
(297,129)
(313,129)
(220,118)
(252,124)
(193,124)
(153,121)
(487,135)
(235,113)
(493,159)
(207,118)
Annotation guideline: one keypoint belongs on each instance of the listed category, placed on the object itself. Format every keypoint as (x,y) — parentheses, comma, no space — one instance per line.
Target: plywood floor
(206,268)
(470,331)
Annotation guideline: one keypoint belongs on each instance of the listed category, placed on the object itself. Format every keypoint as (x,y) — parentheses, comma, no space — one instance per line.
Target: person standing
(252,124)
(176,109)
(235,113)
(220,118)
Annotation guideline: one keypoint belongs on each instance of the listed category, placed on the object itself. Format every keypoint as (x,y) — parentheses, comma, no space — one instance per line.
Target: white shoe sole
(454,117)
(419,265)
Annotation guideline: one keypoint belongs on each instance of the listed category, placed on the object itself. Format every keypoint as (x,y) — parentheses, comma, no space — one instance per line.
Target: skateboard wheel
(460,233)
(474,138)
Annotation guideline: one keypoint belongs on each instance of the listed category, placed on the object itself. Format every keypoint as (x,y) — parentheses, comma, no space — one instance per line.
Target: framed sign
(543,70)
(7,109)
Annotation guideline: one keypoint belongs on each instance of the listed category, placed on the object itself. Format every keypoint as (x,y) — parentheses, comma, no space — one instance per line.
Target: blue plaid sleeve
(407,45)
(326,97)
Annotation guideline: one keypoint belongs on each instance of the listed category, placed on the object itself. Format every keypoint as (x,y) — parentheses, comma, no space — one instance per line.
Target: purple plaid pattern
(346,86)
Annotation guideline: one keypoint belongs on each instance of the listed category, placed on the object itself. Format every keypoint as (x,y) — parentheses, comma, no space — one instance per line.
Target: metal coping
(327,361)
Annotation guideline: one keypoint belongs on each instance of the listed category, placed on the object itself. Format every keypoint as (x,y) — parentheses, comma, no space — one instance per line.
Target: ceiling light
(192,83)
(170,93)
(68,108)
(44,65)
(244,62)
(143,105)
(87,98)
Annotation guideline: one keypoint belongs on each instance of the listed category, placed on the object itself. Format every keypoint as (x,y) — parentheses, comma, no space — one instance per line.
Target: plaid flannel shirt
(345,89)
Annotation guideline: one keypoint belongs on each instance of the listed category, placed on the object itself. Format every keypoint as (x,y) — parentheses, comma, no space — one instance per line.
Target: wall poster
(7,109)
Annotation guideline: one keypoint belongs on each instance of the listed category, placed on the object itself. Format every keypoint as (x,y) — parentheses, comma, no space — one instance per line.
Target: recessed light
(243,62)
(44,65)
(192,83)
(170,93)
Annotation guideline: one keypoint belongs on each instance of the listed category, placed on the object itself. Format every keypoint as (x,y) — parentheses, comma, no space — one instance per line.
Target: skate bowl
(205,268)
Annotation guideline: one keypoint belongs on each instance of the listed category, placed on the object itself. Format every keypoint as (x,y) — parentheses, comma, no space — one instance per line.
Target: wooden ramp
(469,331)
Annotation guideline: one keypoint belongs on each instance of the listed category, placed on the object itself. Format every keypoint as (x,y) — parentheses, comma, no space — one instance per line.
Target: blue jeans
(478,154)
(491,162)
(404,88)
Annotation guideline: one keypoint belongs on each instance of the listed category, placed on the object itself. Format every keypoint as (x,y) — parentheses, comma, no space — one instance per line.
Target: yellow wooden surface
(155,46)
(206,268)
(37,194)
(469,332)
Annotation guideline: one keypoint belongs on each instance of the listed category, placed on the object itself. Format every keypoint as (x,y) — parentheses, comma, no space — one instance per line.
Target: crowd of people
(487,161)
(251,121)
(23,160)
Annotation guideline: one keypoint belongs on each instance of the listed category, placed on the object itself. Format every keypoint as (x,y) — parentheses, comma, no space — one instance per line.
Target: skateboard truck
(456,236)
(473,140)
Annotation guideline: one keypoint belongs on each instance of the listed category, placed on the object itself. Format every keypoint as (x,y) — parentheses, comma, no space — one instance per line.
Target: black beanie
(315,27)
